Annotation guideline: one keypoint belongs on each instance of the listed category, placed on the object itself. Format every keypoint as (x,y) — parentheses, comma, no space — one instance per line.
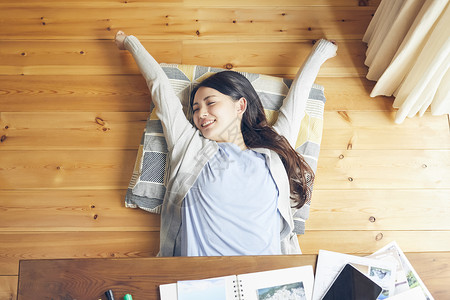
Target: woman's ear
(241,105)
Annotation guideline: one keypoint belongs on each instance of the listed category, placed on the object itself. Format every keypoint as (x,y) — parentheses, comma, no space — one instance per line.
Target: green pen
(127,297)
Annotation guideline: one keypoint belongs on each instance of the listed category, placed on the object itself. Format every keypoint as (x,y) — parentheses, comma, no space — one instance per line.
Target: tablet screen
(351,284)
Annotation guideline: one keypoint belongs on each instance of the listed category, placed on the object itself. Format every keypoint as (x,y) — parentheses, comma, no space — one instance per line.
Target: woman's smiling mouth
(207,123)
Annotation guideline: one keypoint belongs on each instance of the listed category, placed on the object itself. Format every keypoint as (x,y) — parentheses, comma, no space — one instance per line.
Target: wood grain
(275,58)
(123,131)
(352,94)
(342,170)
(102,57)
(383,169)
(72,210)
(66,57)
(62,130)
(82,169)
(99,210)
(34,245)
(129,93)
(120,93)
(376,130)
(8,287)
(287,3)
(213,3)
(379,209)
(367,241)
(172,21)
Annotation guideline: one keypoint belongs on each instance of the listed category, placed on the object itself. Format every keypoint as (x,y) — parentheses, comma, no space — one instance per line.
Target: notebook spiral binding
(241,290)
(238,290)
(235,290)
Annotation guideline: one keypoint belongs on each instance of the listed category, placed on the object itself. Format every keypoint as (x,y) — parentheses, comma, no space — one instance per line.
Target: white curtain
(409,55)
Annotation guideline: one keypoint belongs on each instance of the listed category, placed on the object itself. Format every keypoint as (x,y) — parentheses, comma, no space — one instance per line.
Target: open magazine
(287,284)
(388,268)
(406,277)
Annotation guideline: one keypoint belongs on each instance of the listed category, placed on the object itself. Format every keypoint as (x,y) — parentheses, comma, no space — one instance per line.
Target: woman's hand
(119,39)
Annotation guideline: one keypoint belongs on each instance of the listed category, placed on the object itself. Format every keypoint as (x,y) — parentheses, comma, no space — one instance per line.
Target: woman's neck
(238,141)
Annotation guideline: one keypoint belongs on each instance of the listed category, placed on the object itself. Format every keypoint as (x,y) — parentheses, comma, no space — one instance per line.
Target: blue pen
(109,295)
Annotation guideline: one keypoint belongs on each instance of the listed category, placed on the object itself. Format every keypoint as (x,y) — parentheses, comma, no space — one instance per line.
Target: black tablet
(351,284)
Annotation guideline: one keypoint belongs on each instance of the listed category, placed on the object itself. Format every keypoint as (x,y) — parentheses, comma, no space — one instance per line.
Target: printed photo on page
(288,284)
(207,289)
(291,291)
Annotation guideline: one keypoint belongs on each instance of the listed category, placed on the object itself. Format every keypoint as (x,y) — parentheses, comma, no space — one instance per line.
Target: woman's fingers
(119,39)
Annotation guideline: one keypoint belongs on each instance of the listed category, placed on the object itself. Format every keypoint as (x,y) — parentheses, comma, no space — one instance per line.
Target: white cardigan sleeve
(293,109)
(168,106)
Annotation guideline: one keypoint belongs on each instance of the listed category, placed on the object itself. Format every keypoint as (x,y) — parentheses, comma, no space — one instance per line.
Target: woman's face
(217,116)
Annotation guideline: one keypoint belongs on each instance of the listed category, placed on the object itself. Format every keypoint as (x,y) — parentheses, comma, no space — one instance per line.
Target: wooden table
(90,278)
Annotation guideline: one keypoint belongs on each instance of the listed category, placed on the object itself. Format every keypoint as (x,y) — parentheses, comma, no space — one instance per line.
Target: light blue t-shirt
(232,207)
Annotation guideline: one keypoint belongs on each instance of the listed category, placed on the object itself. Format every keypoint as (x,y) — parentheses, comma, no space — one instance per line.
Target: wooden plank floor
(72,109)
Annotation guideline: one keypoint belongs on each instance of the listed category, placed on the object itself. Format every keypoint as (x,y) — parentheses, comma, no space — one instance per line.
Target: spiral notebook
(288,284)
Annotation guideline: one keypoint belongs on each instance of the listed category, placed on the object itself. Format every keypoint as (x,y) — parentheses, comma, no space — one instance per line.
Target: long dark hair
(258,133)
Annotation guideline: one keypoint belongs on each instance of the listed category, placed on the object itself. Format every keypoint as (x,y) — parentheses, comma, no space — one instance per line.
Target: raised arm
(168,106)
(293,109)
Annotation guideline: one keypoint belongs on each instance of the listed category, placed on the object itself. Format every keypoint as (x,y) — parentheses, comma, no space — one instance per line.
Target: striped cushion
(147,185)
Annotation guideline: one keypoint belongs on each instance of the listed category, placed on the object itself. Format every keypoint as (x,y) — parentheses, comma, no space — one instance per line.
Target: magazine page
(220,288)
(330,263)
(412,277)
(287,284)
(412,294)
(168,291)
